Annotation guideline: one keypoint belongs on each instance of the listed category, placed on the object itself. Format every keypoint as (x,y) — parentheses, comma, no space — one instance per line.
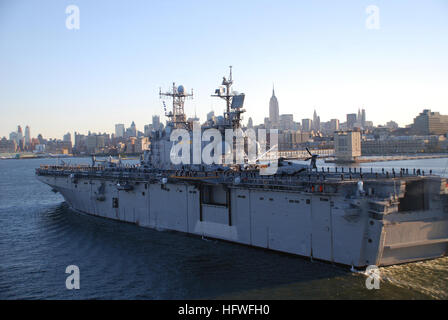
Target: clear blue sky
(317,53)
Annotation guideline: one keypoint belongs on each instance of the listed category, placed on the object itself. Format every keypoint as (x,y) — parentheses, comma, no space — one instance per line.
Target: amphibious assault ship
(350,217)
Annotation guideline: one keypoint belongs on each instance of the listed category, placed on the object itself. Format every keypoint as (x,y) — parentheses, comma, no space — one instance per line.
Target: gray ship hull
(326,226)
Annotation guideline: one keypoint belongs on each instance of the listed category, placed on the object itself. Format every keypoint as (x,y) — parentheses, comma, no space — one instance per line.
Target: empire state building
(273,110)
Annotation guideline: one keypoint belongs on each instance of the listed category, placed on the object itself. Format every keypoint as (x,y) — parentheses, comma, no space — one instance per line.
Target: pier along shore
(390,158)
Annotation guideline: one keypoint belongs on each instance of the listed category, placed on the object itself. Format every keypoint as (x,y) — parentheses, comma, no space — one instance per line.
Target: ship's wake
(427,277)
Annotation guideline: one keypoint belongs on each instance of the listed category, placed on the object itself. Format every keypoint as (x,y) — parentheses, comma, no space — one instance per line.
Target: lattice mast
(177,115)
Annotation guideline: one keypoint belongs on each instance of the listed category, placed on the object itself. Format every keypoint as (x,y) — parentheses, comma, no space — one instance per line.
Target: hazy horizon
(319,55)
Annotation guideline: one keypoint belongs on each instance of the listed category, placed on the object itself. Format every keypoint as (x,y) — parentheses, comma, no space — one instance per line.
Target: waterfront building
(8,146)
(347,145)
(428,123)
(403,145)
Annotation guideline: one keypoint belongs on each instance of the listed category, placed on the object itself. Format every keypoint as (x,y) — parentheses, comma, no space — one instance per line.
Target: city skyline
(109,71)
(202,118)
(122,127)
(285,122)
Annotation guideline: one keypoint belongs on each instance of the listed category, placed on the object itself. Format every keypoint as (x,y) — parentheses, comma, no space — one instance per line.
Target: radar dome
(181,89)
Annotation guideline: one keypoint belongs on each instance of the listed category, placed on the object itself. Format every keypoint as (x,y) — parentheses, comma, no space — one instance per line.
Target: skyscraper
(19,134)
(250,123)
(133,129)
(307,125)
(156,122)
(363,118)
(428,122)
(27,136)
(13,136)
(119,130)
(67,137)
(334,124)
(274,112)
(351,120)
(286,122)
(316,121)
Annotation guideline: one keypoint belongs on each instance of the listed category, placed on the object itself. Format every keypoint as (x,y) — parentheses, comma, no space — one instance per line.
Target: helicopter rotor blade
(309,151)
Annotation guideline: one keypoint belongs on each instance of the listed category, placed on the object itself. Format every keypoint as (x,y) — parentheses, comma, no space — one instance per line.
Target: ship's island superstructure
(349,217)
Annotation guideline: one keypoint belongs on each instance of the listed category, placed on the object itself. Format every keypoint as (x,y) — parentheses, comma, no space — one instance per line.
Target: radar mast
(234,102)
(177,115)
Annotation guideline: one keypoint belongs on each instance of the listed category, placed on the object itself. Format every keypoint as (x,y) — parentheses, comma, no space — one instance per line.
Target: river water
(40,236)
